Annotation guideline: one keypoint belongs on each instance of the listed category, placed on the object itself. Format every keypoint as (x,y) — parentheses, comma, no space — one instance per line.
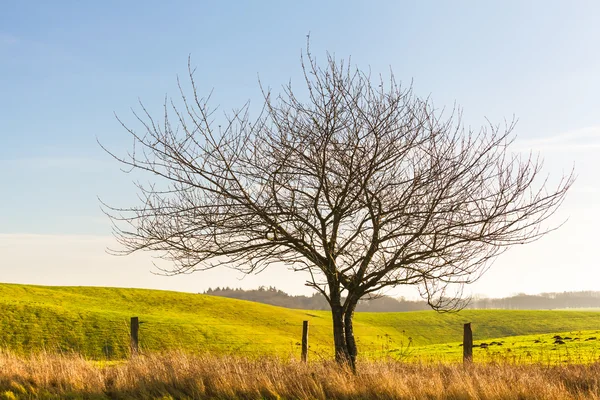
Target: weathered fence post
(304,341)
(135,326)
(467,344)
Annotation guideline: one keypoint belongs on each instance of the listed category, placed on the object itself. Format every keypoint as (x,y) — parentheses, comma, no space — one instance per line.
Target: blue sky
(66,67)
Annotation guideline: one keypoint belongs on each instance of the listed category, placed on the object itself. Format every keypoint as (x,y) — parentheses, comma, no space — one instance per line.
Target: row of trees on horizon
(274,296)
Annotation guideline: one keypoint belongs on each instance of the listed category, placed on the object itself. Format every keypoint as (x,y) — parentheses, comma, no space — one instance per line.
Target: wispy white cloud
(12,238)
(75,260)
(53,54)
(53,162)
(587,189)
(8,40)
(586,139)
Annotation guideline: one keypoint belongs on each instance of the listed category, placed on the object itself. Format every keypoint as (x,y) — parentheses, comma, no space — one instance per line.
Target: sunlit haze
(68,67)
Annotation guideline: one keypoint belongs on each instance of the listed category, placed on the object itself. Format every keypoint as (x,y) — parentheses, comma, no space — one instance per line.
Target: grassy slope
(94,321)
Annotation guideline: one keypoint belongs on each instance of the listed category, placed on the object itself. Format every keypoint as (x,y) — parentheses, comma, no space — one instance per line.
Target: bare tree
(362,185)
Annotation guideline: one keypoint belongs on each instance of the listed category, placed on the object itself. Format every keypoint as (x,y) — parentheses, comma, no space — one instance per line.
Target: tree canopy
(362,185)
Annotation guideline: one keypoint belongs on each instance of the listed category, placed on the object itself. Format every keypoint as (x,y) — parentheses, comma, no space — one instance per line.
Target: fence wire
(111,339)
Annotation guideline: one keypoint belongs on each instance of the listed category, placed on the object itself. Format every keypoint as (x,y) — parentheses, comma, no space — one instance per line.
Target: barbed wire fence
(306,340)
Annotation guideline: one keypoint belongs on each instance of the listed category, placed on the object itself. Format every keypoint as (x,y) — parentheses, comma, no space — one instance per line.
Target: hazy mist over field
(67,67)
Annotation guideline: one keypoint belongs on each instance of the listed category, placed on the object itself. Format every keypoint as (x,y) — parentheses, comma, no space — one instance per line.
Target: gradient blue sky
(67,66)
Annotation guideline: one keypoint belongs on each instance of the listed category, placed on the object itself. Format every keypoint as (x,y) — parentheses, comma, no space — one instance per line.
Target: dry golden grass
(182,376)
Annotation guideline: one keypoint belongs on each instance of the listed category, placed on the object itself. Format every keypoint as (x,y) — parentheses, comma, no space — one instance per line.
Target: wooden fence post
(135,326)
(467,344)
(304,341)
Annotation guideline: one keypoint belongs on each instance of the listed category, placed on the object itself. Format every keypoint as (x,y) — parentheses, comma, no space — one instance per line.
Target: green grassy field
(94,321)
(574,347)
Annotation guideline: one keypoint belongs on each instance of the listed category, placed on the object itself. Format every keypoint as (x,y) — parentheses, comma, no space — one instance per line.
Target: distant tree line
(276,297)
(273,296)
(581,299)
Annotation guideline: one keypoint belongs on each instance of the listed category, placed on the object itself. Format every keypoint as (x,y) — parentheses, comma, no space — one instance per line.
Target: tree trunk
(339,336)
(343,332)
(349,331)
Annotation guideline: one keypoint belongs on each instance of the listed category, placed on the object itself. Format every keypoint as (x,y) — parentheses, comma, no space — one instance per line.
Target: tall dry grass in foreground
(181,376)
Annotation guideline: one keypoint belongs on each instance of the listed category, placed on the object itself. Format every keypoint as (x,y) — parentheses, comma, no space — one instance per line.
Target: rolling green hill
(94,321)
